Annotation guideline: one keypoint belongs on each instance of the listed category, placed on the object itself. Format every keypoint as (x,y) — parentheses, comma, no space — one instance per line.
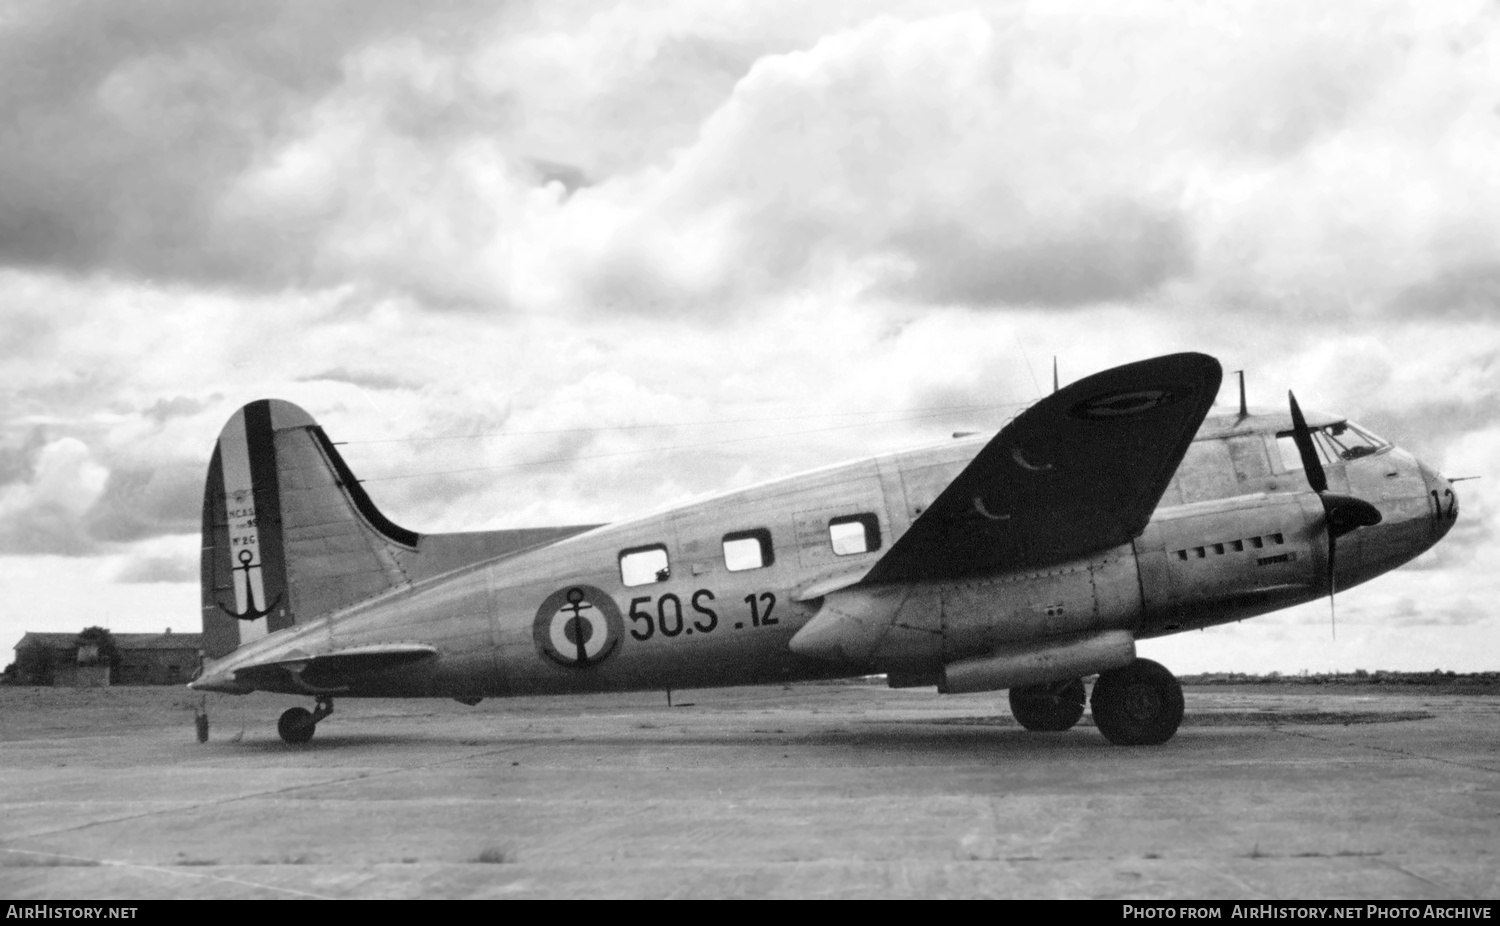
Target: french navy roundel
(1122,404)
(578,626)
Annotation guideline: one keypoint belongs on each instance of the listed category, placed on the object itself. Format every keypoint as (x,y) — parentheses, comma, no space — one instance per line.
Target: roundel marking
(1122,404)
(578,626)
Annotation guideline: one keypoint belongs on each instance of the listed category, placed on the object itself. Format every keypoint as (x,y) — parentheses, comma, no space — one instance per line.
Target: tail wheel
(296,725)
(1049,708)
(1137,705)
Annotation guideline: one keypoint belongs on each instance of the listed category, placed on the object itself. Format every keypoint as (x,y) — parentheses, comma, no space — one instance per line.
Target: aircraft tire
(296,726)
(1049,708)
(1137,705)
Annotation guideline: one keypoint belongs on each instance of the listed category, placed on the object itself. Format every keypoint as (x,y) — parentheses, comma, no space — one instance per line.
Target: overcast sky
(779,234)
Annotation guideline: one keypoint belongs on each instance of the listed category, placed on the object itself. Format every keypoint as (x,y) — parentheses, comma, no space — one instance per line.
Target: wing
(325,673)
(1078,472)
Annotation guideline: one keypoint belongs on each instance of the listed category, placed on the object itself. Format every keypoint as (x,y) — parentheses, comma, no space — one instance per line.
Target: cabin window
(748,550)
(855,533)
(1248,454)
(1207,472)
(1291,457)
(644,565)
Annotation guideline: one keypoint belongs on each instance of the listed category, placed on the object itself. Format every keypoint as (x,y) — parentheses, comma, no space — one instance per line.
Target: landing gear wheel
(1137,705)
(1049,708)
(296,726)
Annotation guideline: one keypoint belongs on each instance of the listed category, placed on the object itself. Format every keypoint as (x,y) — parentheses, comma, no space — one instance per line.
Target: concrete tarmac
(801,791)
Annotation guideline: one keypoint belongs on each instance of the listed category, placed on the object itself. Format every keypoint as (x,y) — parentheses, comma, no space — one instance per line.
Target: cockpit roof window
(1337,442)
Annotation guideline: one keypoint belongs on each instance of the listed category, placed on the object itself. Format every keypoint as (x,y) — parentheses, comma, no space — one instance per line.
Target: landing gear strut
(1139,704)
(297,724)
(1049,708)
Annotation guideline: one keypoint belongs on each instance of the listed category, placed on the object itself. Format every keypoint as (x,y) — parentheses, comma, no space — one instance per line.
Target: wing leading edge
(1076,473)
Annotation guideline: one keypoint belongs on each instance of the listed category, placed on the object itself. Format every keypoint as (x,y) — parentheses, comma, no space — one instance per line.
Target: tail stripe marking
(260,439)
(244,536)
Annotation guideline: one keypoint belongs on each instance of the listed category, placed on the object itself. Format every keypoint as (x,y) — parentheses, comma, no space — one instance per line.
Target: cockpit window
(1335,443)
(1353,440)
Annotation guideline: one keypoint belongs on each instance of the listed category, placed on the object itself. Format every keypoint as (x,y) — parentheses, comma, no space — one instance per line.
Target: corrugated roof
(123,641)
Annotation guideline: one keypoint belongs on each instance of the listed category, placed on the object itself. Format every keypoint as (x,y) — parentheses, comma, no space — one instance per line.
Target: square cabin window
(855,533)
(644,565)
(748,550)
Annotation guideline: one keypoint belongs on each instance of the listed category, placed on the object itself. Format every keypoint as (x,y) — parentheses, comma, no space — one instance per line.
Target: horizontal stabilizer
(325,673)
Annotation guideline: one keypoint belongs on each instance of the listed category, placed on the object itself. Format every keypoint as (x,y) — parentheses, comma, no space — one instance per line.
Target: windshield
(1343,440)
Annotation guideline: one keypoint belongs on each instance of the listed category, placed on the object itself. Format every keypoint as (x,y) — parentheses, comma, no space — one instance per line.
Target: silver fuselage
(1237,533)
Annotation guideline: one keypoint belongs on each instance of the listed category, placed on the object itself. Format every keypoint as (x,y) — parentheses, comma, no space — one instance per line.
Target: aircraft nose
(1443,498)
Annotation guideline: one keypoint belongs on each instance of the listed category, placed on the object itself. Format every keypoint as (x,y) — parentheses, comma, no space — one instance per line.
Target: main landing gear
(1050,708)
(1139,704)
(296,726)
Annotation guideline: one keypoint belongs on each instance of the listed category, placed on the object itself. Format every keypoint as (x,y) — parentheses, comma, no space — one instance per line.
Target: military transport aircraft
(1113,510)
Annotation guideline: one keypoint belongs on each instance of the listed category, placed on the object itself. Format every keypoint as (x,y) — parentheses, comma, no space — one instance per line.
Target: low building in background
(141,659)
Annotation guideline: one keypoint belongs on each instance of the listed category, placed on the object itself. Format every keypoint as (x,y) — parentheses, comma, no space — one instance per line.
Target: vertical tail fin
(288,532)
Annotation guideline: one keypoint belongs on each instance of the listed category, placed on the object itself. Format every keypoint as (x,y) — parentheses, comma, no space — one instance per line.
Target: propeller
(1342,513)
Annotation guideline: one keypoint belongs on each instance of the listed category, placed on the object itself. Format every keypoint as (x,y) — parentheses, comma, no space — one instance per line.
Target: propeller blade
(1341,513)
(1303,438)
(1333,620)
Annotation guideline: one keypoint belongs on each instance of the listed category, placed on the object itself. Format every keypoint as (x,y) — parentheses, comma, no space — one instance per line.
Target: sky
(514,253)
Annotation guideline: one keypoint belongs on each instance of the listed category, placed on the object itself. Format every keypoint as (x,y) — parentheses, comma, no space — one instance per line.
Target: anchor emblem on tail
(247,582)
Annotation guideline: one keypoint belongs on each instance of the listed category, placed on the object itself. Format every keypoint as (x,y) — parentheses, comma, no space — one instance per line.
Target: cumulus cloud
(127,127)
(58,497)
(18,462)
(921,156)
(580,157)
(137,503)
(1020,158)
(162,410)
(365,380)
(42,512)
(1468,289)
(148,569)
